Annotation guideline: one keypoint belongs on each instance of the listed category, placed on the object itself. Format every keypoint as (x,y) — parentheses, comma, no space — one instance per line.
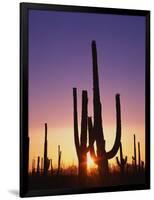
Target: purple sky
(60,59)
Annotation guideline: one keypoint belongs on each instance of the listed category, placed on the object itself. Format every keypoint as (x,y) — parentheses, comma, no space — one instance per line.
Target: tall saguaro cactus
(122,161)
(134,157)
(96,130)
(81,145)
(46,160)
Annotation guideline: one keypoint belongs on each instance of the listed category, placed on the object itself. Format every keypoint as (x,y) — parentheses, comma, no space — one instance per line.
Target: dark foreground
(37,182)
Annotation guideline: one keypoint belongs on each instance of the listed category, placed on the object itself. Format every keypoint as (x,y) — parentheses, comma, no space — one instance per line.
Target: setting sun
(90,162)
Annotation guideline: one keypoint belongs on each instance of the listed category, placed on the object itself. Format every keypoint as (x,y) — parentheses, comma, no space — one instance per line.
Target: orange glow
(57,137)
(90,162)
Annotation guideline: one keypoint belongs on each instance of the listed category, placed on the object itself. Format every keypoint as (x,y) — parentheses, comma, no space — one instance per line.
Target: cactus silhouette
(96,129)
(134,157)
(81,146)
(41,165)
(46,160)
(51,166)
(122,161)
(33,166)
(38,165)
(139,158)
(59,160)
(142,166)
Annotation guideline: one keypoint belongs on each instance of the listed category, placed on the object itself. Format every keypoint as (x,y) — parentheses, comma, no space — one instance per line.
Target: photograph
(86,101)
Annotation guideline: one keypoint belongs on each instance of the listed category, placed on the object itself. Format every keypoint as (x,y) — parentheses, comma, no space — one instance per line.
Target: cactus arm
(83,135)
(76,134)
(116,145)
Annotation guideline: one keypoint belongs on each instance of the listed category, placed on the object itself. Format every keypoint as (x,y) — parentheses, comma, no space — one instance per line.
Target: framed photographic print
(84,99)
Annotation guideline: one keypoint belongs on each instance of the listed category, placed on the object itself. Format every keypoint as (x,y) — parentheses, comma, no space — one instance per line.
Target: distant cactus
(81,146)
(33,166)
(134,157)
(96,129)
(59,160)
(122,162)
(42,165)
(51,166)
(142,166)
(38,165)
(139,158)
(46,160)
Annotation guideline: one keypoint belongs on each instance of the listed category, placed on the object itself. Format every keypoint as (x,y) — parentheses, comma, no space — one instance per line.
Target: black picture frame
(24,139)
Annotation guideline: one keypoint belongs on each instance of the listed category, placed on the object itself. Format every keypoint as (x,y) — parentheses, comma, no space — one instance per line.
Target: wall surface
(9,97)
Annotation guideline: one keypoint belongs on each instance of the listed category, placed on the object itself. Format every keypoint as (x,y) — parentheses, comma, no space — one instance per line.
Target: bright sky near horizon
(60,59)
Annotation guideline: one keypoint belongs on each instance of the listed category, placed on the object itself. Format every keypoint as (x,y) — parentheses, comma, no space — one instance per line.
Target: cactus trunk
(97,130)
(102,162)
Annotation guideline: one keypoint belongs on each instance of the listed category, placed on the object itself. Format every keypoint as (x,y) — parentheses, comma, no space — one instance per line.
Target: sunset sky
(60,59)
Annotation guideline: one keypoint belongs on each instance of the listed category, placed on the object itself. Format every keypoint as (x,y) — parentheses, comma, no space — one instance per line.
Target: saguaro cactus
(46,160)
(38,164)
(134,157)
(41,165)
(33,166)
(51,166)
(59,160)
(97,130)
(122,162)
(139,157)
(81,146)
